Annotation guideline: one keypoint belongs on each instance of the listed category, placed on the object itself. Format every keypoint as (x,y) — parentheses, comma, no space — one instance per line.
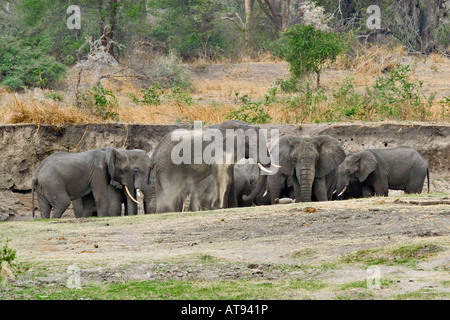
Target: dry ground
(326,243)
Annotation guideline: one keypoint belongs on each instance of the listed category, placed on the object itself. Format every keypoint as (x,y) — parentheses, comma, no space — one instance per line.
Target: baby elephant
(400,168)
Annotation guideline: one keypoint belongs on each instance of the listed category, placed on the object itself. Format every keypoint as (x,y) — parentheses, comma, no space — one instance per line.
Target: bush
(7,263)
(155,95)
(392,96)
(22,65)
(101,102)
(307,49)
(250,111)
(169,72)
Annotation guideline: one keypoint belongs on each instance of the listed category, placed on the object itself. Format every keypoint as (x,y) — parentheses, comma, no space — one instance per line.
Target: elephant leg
(101,197)
(44,206)
(78,207)
(115,201)
(297,190)
(61,205)
(167,200)
(274,183)
(320,189)
(89,208)
(367,191)
(194,203)
(131,207)
(58,198)
(381,187)
(229,195)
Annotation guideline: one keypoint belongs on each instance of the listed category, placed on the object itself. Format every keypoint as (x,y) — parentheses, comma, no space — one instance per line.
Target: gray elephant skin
(63,177)
(245,176)
(139,162)
(174,182)
(378,170)
(310,163)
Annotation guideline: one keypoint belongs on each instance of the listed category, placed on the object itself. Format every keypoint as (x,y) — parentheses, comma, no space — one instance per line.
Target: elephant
(63,177)
(215,153)
(311,165)
(354,189)
(139,161)
(399,168)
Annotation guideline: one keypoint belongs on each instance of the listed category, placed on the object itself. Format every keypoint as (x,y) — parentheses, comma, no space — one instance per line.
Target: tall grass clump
(7,261)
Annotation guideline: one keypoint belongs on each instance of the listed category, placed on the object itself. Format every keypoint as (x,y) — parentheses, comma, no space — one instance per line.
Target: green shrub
(249,111)
(7,263)
(22,65)
(155,95)
(151,96)
(307,49)
(101,102)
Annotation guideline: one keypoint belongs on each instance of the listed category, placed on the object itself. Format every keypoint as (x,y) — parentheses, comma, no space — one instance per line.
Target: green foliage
(7,260)
(408,255)
(155,95)
(189,27)
(151,96)
(101,102)
(442,34)
(307,49)
(392,96)
(304,104)
(251,111)
(22,66)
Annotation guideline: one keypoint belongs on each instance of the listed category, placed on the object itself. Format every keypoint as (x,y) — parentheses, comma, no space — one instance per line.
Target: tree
(189,27)
(277,11)
(307,49)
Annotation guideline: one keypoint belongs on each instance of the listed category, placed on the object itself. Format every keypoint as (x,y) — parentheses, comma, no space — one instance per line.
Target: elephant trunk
(261,185)
(305,175)
(341,187)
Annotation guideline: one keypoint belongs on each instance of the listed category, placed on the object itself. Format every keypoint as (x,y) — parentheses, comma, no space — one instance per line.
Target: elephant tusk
(343,190)
(275,165)
(265,192)
(263,169)
(128,193)
(334,191)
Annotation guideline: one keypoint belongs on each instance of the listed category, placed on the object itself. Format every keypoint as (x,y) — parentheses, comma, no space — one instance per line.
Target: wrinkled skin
(174,182)
(139,161)
(400,168)
(311,165)
(244,179)
(63,177)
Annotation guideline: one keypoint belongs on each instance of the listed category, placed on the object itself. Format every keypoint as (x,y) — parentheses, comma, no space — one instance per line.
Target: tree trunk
(285,15)
(248,15)
(318,79)
(112,27)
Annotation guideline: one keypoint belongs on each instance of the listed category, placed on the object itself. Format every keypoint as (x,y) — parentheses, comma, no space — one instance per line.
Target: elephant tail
(261,183)
(428,179)
(33,187)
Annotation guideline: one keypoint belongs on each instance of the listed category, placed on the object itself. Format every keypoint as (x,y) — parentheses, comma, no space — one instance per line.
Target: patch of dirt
(267,242)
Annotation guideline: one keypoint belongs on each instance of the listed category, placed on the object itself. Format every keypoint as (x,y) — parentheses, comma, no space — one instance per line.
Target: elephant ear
(286,145)
(331,154)
(110,159)
(367,164)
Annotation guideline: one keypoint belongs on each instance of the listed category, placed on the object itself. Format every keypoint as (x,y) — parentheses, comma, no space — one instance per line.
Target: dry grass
(215,86)
(25,110)
(375,60)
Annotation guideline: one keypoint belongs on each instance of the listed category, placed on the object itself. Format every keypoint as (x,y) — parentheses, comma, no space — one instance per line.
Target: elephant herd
(303,168)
